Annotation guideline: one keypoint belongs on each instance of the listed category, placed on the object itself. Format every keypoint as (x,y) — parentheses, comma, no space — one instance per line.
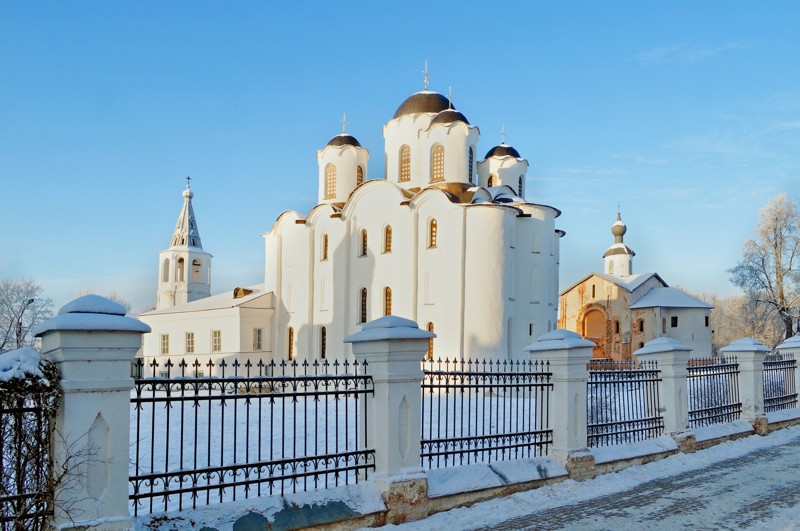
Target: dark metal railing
(712,388)
(484,411)
(622,402)
(27,412)
(257,428)
(779,382)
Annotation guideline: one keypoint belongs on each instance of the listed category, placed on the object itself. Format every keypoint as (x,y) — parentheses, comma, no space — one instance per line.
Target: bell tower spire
(184,268)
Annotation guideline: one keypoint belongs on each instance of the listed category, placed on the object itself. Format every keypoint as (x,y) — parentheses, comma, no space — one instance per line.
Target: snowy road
(752,483)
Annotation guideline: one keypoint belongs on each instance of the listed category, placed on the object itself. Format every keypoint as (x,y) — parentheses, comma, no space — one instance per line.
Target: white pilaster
(92,343)
(671,356)
(750,353)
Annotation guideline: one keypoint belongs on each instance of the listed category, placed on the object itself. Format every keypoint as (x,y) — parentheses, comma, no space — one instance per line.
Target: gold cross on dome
(425,77)
(344,122)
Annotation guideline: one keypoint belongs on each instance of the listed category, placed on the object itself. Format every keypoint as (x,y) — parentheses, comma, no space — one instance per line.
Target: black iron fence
(484,411)
(27,410)
(622,402)
(779,382)
(713,391)
(257,428)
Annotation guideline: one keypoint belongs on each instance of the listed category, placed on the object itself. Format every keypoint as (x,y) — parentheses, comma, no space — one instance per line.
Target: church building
(621,311)
(443,238)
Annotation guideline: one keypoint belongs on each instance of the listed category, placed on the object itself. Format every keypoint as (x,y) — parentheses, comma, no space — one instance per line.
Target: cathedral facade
(444,239)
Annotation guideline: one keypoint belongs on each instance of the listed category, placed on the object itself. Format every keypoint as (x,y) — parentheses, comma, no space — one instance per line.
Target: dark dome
(503,150)
(425,101)
(344,139)
(449,116)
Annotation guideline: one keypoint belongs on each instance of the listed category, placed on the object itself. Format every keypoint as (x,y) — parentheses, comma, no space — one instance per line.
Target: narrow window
(323,342)
(363,307)
(324,251)
(616,327)
(641,344)
(363,242)
(470,163)
(359,175)
(593,291)
(664,325)
(165,271)
(180,270)
(291,343)
(258,339)
(433,228)
(190,342)
(387,301)
(706,320)
(330,181)
(611,267)
(405,164)
(429,354)
(519,187)
(437,163)
(164,343)
(216,341)
(641,325)
(674,321)
(196,271)
(387,239)
(492,180)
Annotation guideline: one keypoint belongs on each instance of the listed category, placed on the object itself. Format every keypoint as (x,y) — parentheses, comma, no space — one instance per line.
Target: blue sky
(687,114)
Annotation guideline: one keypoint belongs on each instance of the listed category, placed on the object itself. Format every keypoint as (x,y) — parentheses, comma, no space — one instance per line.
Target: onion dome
(503,150)
(618,229)
(449,116)
(343,139)
(425,101)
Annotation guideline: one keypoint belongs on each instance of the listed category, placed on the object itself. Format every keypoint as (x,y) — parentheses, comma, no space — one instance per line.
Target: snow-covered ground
(773,514)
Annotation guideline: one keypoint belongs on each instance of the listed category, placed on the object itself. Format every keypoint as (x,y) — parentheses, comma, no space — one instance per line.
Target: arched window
(387,301)
(196,271)
(362,311)
(359,175)
(492,180)
(616,327)
(519,186)
(593,291)
(387,239)
(180,271)
(330,181)
(291,343)
(429,354)
(323,342)
(470,163)
(323,253)
(405,164)
(433,229)
(664,325)
(611,267)
(641,325)
(641,344)
(363,249)
(165,271)
(437,163)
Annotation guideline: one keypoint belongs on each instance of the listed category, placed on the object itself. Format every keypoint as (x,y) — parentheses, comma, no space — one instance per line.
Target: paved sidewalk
(733,494)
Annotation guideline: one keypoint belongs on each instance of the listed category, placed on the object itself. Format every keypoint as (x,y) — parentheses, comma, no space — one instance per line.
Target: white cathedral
(444,239)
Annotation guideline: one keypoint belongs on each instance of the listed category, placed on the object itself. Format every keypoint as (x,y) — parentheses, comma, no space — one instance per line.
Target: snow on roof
(20,363)
(668,298)
(389,327)
(215,302)
(629,283)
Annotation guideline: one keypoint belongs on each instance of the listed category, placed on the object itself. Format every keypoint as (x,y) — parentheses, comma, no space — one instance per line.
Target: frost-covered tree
(769,272)
(22,307)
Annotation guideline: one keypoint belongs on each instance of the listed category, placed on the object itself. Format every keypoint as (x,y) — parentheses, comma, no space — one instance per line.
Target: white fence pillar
(92,343)
(568,354)
(393,348)
(750,353)
(671,356)
(792,346)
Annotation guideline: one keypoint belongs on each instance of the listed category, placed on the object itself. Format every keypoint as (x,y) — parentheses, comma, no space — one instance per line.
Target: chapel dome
(425,101)
(503,150)
(449,116)
(343,139)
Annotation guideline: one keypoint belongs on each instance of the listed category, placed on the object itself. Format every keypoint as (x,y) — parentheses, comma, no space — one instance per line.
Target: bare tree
(769,272)
(22,307)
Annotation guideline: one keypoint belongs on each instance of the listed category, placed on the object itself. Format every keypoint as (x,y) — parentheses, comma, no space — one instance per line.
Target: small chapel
(621,311)
(444,238)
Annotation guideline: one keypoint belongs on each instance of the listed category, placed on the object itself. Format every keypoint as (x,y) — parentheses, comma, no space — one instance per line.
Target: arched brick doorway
(594,329)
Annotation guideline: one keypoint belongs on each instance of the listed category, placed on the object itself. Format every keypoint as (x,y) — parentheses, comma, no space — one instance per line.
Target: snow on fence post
(792,346)
(93,343)
(393,349)
(568,354)
(751,353)
(671,356)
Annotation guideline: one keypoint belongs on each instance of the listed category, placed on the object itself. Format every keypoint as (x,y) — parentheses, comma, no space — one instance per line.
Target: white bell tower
(619,257)
(184,272)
